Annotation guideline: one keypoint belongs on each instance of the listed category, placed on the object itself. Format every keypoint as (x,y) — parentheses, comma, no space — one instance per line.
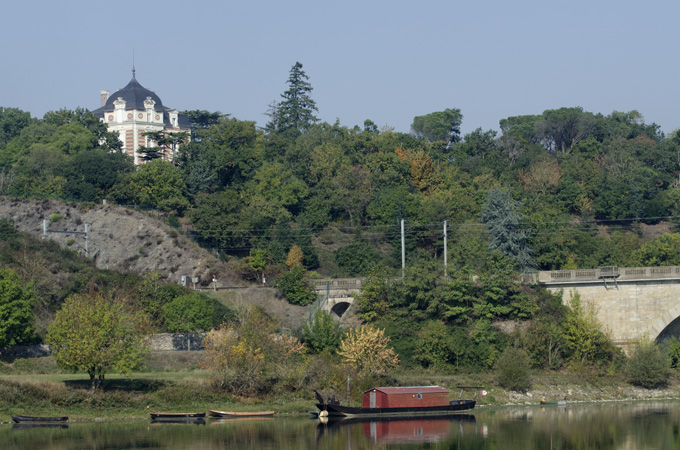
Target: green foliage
(190,312)
(97,333)
(358,257)
(250,357)
(374,298)
(438,126)
(513,369)
(156,184)
(661,251)
(672,346)
(12,120)
(508,235)
(585,343)
(434,347)
(16,310)
(647,366)
(8,230)
(294,287)
(322,333)
(295,113)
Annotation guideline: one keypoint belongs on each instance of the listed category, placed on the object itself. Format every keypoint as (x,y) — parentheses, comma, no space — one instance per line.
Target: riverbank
(174,382)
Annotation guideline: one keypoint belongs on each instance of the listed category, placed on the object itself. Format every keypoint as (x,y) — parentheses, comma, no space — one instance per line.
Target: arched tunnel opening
(340,308)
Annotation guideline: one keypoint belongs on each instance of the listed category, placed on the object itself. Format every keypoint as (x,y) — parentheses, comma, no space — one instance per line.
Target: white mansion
(135,110)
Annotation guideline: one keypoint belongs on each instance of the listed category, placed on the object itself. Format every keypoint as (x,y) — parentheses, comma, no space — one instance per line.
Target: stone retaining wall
(158,343)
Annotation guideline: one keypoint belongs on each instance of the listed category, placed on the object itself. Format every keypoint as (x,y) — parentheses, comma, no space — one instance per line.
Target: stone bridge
(336,295)
(630,302)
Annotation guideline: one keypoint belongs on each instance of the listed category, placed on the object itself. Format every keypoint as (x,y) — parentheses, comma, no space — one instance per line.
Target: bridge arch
(340,308)
(668,326)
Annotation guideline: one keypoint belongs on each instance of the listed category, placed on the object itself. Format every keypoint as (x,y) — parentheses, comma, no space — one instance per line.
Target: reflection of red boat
(410,400)
(404,429)
(419,430)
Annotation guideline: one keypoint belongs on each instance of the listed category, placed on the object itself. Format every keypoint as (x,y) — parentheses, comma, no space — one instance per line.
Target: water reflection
(598,426)
(392,430)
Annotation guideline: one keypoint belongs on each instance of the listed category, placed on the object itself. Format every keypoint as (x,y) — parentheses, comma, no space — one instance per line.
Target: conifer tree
(503,220)
(295,113)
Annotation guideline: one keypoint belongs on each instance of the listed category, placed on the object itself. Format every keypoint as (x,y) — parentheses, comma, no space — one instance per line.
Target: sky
(387,61)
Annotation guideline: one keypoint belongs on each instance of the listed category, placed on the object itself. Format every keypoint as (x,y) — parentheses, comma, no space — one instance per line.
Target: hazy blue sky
(387,61)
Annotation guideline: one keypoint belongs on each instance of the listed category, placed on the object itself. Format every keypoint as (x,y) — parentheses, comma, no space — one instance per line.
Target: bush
(513,369)
(190,312)
(647,366)
(322,333)
(195,312)
(294,287)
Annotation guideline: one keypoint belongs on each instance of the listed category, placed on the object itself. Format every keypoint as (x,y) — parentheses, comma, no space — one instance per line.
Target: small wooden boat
(34,419)
(229,414)
(177,416)
(562,402)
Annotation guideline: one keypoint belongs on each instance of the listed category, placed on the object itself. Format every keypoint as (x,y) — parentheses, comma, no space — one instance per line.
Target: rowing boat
(34,419)
(176,416)
(224,414)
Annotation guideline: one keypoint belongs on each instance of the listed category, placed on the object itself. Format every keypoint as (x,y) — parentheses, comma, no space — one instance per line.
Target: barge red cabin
(405,397)
(408,400)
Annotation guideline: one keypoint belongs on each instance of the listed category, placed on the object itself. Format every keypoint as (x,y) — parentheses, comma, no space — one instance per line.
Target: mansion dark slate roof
(134,95)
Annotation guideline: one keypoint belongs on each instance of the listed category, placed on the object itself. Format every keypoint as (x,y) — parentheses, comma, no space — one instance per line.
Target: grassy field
(174,382)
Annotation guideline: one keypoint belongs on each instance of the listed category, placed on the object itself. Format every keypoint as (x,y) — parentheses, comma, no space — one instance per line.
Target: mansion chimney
(105,97)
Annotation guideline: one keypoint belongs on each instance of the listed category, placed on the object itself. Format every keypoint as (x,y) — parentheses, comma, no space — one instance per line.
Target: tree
(157,184)
(585,343)
(295,113)
(294,287)
(503,220)
(366,349)
(166,144)
(295,257)
(513,369)
(99,332)
(190,312)
(321,333)
(12,120)
(16,309)
(438,126)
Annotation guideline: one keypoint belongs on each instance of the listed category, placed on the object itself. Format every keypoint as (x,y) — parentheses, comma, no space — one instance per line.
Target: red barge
(407,400)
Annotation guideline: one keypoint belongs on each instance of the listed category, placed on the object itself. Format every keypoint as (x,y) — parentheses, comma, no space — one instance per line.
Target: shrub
(512,369)
(294,287)
(55,217)
(190,312)
(322,333)
(434,345)
(647,366)
(358,257)
(8,229)
(249,356)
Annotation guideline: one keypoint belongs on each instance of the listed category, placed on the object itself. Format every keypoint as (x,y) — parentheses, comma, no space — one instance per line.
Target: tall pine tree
(503,219)
(295,113)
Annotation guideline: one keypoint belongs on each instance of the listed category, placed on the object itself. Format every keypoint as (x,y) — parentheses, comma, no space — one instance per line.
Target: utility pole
(445,254)
(403,250)
(85,233)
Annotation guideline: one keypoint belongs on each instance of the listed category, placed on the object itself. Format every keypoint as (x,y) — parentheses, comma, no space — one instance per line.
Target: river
(602,426)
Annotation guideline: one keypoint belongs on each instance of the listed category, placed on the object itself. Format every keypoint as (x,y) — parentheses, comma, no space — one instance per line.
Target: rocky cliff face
(120,239)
